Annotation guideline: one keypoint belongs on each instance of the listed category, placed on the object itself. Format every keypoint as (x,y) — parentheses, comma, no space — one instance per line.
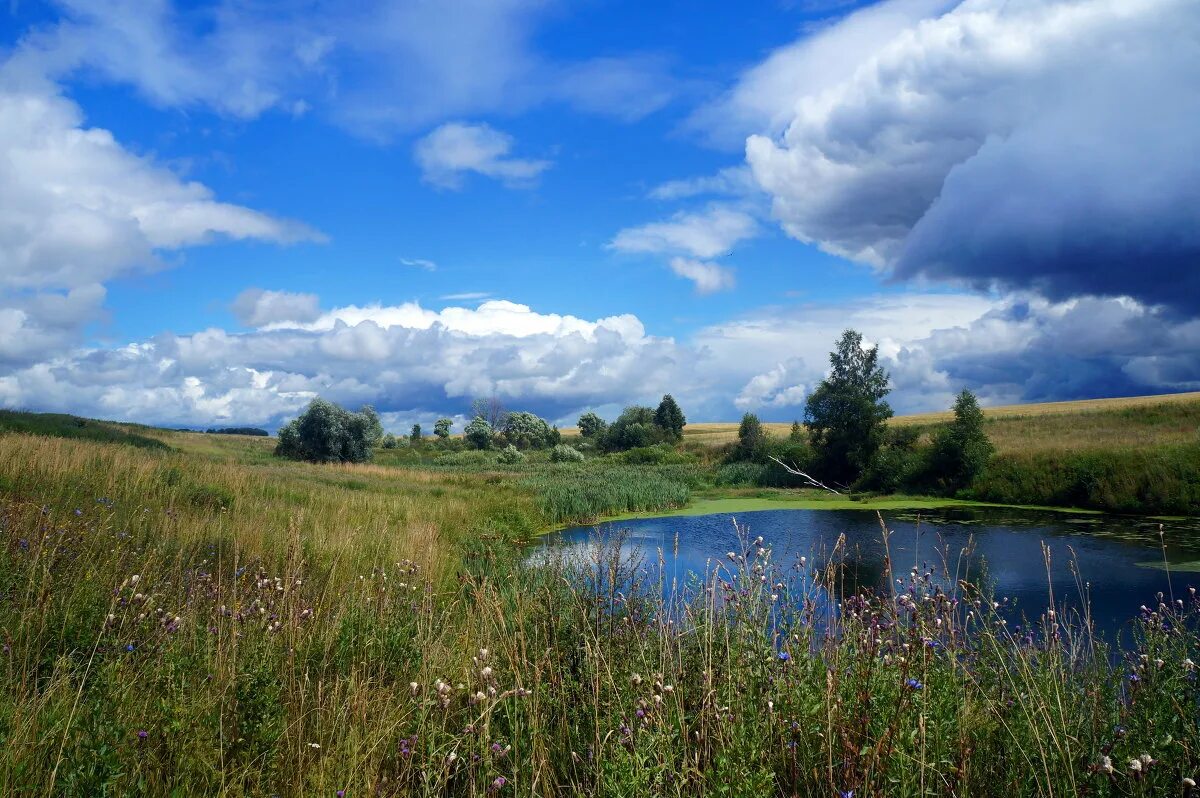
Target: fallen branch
(813,481)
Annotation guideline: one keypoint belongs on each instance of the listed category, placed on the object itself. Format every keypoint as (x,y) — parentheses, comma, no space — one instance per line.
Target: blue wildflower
(913,684)
(784,656)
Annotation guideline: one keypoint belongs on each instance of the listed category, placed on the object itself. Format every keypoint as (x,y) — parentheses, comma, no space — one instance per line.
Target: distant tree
(255,431)
(527,431)
(846,414)
(752,442)
(797,435)
(634,428)
(591,425)
(390,441)
(479,433)
(327,433)
(441,428)
(415,435)
(491,410)
(961,449)
(565,454)
(669,418)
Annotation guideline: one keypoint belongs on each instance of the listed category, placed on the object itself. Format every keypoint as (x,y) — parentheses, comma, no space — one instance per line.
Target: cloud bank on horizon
(1025,174)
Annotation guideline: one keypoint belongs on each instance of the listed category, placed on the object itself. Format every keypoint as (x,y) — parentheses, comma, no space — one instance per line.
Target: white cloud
(377,68)
(419,263)
(708,277)
(456,148)
(733,180)
(781,387)
(702,234)
(255,307)
(1045,145)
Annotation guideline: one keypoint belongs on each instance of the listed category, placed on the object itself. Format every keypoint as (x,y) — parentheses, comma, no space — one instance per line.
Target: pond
(1117,562)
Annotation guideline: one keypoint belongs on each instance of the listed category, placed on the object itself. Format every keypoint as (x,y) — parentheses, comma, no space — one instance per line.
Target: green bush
(511,455)
(565,454)
(327,433)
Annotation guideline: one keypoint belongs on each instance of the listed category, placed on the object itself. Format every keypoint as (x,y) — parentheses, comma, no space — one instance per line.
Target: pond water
(1119,561)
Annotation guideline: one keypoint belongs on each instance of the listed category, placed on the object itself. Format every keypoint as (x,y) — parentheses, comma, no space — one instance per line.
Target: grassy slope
(60,425)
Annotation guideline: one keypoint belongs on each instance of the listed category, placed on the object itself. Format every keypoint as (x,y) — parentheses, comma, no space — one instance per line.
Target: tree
(415,435)
(797,435)
(327,433)
(961,449)
(491,410)
(634,428)
(591,425)
(527,431)
(752,440)
(669,418)
(479,433)
(441,428)
(846,414)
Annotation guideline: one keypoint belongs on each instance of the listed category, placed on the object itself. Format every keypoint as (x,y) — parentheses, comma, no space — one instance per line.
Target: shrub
(752,444)
(565,454)
(389,441)
(327,433)
(635,427)
(591,425)
(659,454)
(527,431)
(479,433)
(511,455)
(961,449)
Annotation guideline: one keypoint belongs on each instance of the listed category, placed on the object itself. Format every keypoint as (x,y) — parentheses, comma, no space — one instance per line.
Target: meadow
(201,618)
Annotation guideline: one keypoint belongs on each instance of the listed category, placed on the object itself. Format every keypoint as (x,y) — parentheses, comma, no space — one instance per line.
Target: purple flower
(129,647)
(784,656)
(340,794)
(913,684)
(499,782)
(142,734)
(846,793)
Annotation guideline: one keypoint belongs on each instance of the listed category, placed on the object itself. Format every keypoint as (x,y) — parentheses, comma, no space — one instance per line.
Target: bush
(659,454)
(634,428)
(961,450)
(527,431)
(591,425)
(565,454)
(327,433)
(511,455)
(753,444)
(479,433)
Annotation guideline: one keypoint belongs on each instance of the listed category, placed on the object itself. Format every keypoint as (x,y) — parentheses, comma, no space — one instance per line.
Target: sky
(211,213)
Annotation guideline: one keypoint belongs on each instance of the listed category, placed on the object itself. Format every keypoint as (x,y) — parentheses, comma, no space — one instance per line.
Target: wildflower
(845,793)
(1106,764)
(486,673)
(1189,782)
(142,734)
(340,794)
(913,684)
(1188,665)
(129,647)
(314,746)
(784,656)
(414,687)
(1135,765)
(499,782)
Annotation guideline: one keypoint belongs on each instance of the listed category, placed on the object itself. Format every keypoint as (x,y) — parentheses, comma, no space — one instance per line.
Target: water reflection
(1031,560)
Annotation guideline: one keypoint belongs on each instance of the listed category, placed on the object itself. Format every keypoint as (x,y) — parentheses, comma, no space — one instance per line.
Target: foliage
(565,454)
(390,441)
(64,426)
(528,431)
(582,495)
(635,427)
(441,428)
(961,449)
(752,444)
(415,435)
(591,425)
(846,414)
(327,433)
(479,433)
(669,418)
(511,455)
(255,431)
(797,433)
(658,454)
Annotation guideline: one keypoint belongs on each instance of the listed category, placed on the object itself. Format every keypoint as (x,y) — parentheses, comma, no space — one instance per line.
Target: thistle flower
(142,734)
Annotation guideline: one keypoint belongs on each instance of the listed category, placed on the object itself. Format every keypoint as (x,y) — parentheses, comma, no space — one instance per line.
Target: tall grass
(583,494)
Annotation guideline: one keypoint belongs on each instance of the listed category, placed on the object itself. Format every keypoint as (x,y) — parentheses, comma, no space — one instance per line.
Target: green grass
(64,426)
(296,630)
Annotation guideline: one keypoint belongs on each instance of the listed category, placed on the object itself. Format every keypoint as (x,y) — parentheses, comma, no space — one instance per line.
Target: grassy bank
(203,623)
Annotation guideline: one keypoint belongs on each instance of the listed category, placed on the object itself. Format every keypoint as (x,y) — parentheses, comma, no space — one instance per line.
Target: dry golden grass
(1138,421)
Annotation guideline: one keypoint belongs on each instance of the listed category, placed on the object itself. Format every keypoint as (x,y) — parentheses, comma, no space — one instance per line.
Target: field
(201,618)
(1135,422)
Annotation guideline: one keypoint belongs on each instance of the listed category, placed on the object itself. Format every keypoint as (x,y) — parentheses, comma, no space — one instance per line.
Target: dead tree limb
(813,481)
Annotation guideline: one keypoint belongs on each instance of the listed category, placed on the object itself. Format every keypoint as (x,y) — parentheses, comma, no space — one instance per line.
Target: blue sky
(218,211)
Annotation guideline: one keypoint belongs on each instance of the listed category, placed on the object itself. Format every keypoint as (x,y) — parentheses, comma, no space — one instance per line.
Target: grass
(203,619)
(1135,422)
(64,426)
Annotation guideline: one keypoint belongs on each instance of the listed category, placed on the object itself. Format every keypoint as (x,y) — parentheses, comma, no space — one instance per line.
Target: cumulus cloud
(782,386)
(255,307)
(457,148)
(733,180)
(708,277)
(701,234)
(78,210)
(1035,145)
